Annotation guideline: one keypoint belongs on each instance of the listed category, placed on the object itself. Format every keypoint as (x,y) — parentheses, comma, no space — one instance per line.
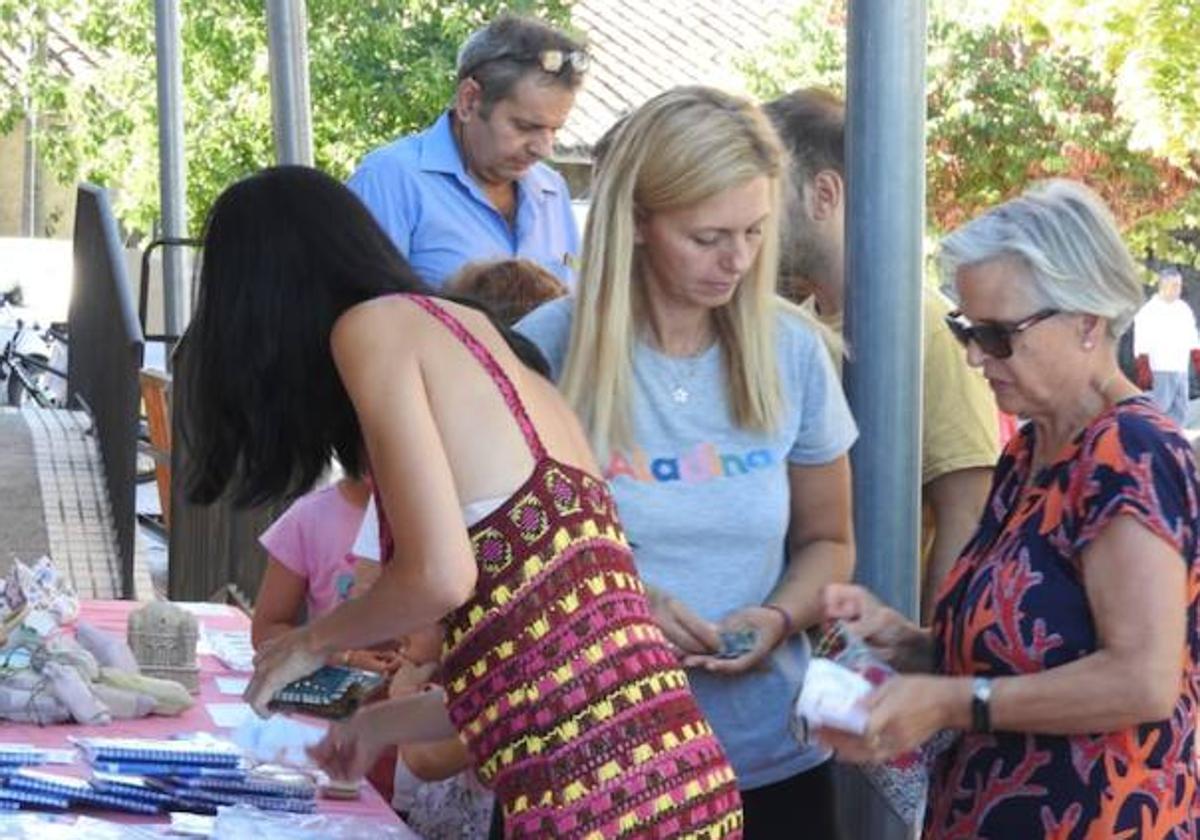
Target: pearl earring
(1088,345)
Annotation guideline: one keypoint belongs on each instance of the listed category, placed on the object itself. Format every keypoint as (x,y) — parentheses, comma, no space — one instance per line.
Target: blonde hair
(678,149)
(1068,239)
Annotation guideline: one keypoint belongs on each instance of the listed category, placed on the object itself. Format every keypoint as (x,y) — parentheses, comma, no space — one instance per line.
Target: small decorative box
(163,639)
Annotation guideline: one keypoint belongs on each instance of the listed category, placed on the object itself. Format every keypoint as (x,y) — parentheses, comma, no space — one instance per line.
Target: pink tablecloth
(111,616)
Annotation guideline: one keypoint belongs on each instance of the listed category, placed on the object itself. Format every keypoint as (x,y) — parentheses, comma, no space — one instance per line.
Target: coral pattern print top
(573,708)
(1015,604)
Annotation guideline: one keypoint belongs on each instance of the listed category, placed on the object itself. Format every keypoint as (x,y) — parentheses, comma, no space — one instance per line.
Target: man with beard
(473,186)
(960,421)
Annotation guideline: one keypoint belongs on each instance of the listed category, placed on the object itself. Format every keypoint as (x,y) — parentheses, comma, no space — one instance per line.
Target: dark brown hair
(511,289)
(812,125)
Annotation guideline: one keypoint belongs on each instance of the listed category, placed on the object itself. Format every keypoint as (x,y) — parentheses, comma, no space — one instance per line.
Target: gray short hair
(504,52)
(1069,241)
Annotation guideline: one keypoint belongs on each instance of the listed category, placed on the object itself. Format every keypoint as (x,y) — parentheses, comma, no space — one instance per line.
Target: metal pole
(172,168)
(31,183)
(885,213)
(29,176)
(291,109)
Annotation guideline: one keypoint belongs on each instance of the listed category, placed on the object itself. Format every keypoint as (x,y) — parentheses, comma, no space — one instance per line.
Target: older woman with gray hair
(1064,641)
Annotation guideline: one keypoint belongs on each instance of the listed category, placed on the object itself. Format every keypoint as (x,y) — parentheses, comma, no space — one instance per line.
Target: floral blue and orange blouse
(1015,603)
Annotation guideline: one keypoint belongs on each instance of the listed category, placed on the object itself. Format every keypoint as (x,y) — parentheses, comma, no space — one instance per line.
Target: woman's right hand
(897,640)
(349,749)
(687,633)
(279,661)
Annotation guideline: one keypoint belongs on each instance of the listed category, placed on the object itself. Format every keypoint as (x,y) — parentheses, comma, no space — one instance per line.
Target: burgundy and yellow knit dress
(573,709)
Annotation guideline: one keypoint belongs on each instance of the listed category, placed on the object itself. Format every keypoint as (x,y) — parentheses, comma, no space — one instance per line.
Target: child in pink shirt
(310,562)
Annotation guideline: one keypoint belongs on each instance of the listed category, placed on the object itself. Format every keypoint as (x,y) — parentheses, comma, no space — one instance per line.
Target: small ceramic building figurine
(163,639)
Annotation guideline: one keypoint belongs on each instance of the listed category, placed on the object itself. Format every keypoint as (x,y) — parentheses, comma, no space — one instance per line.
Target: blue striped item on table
(160,751)
(76,791)
(248,785)
(131,786)
(138,768)
(27,797)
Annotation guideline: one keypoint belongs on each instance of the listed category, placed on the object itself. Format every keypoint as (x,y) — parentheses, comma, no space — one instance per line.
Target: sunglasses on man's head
(550,61)
(993,337)
(553,61)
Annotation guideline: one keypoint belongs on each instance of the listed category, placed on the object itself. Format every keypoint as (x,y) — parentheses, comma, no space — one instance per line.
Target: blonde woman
(722,428)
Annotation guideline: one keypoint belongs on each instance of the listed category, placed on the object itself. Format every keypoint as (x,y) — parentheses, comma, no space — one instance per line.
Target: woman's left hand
(905,712)
(768,628)
(279,661)
(349,749)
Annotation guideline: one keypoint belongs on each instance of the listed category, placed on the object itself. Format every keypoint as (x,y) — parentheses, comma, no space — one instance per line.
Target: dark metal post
(172,167)
(291,109)
(885,214)
(106,355)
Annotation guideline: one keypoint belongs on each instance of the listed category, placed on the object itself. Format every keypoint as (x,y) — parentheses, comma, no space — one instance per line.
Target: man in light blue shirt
(472,187)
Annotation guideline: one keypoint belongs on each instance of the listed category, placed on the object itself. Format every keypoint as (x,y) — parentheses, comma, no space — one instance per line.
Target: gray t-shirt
(705,506)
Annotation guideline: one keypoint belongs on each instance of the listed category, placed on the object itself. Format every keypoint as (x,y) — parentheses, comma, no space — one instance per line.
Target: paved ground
(54,501)
(23,523)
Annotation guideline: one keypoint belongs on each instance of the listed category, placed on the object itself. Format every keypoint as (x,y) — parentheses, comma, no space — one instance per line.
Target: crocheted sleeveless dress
(572,707)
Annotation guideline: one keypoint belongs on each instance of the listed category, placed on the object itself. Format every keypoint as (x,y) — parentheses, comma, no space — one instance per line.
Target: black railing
(163,242)
(105,357)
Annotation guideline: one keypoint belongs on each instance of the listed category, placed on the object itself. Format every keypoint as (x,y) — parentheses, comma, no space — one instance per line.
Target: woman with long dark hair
(313,338)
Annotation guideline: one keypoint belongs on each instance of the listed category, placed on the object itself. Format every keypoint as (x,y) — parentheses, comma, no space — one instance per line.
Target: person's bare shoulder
(390,325)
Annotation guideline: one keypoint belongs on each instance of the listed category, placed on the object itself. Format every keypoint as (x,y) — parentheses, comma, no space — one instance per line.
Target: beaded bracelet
(788,628)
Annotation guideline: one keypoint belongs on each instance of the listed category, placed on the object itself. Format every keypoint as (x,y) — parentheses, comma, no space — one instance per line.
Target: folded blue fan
(142,768)
(158,751)
(76,790)
(195,806)
(134,787)
(247,785)
(22,797)
(20,754)
(265,803)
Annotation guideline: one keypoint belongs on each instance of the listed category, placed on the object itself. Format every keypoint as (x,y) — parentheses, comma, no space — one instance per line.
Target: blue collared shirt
(440,219)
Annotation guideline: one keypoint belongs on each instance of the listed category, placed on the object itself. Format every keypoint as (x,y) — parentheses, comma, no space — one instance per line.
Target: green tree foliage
(378,68)
(1005,106)
(1150,49)
(1004,111)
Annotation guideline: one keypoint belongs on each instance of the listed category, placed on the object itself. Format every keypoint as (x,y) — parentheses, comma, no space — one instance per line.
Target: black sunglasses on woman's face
(994,337)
